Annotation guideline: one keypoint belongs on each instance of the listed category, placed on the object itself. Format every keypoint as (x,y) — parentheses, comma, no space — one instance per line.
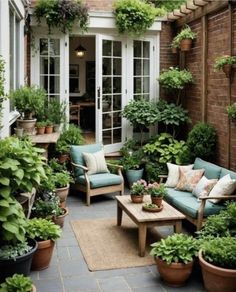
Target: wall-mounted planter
(174,50)
(185,45)
(227,69)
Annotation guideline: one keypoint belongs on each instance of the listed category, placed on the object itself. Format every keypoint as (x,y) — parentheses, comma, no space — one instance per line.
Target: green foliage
(154,169)
(28,100)
(168,5)
(220,225)
(69,137)
(201,141)
(231,111)
(132,160)
(130,145)
(150,206)
(165,149)
(42,229)
(56,166)
(47,207)
(62,14)
(177,248)
(62,179)
(56,112)
(224,60)
(14,251)
(139,188)
(135,16)
(41,124)
(156,190)
(186,33)
(112,167)
(17,283)
(220,251)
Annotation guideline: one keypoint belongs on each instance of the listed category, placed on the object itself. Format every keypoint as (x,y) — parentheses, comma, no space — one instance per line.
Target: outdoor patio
(68,271)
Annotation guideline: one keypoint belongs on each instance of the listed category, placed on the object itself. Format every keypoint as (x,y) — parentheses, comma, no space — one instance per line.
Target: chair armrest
(79,166)
(220,197)
(162,177)
(114,165)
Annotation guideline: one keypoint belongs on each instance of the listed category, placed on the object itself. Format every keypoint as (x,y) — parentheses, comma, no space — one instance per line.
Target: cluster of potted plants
(183,40)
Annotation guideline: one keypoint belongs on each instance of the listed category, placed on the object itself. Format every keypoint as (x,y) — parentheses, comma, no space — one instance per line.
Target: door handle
(98,94)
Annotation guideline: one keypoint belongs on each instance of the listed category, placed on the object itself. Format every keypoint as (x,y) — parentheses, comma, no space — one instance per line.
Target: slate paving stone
(75,253)
(67,242)
(63,253)
(157,288)
(83,284)
(50,285)
(114,284)
(51,272)
(71,268)
(141,280)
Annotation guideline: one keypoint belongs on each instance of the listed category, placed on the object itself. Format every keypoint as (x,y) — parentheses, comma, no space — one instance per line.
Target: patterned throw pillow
(224,187)
(204,186)
(188,180)
(95,162)
(173,174)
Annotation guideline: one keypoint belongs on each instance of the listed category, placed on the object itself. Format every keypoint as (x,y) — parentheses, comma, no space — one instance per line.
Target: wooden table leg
(178,226)
(119,215)
(142,234)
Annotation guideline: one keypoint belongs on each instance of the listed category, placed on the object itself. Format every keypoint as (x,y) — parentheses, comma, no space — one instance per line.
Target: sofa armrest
(162,177)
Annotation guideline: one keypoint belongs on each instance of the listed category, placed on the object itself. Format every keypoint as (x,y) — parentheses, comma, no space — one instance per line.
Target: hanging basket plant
(231,111)
(134,17)
(62,14)
(184,39)
(225,63)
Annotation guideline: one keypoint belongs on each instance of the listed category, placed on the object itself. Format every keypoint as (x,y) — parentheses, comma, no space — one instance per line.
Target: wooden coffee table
(168,216)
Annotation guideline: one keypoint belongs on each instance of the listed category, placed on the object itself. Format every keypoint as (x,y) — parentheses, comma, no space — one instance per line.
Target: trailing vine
(62,14)
(134,17)
(2,93)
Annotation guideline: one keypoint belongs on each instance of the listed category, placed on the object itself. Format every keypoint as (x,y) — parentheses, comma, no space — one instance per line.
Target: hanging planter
(225,63)
(231,111)
(184,39)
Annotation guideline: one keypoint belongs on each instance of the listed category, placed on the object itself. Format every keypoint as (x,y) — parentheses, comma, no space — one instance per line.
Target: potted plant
(231,111)
(21,170)
(40,127)
(62,183)
(135,16)
(17,283)
(138,190)
(19,132)
(175,80)
(217,259)
(150,207)
(185,38)
(45,232)
(157,192)
(174,257)
(27,101)
(49,127)
(175,45)
(56,112)
(225,63)
(71,136)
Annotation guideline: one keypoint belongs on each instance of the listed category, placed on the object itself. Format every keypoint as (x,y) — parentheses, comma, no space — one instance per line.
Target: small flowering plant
(156,190)
(139,188)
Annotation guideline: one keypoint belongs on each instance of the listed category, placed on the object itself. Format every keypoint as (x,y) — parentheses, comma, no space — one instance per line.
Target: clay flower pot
(227,68)
(185,45)
(40,131)
(49,129)
(175,274)
(43,255)
(136,198)
(217,279)
(62,193)
(157,201)
(59,220)
(27,125)
(174,50)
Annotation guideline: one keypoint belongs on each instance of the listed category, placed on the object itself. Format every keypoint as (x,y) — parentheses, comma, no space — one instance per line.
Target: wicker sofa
(197,210)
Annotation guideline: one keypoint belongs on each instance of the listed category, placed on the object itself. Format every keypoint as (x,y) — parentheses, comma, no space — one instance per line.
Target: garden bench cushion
(100,180)
(77,156)
(212,171)
(225,171)
(190,205)
(173,193)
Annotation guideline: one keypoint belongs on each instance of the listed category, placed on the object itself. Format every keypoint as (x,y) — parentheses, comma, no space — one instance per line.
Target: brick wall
(100,5)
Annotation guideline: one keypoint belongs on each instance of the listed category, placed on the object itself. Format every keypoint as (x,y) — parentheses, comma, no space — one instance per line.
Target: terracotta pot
(185,45)
(175,274)
(174,50)
(217,279)
(62,204)
(227,70)
(43,255)
(60,219)
(62,193)
(62,158)
(157,201)
(27,125)
(136,198)
(49,129)
(40,131)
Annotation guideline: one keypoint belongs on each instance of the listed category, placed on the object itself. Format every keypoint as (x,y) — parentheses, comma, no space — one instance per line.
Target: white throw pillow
(95,162)
(224,187)
(204,186)
(173,173)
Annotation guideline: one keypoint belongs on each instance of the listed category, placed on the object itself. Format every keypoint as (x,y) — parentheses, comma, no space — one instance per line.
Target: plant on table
(157,192)
(56,111)
(231,111)
(134,17)
(138,190)
(17,283)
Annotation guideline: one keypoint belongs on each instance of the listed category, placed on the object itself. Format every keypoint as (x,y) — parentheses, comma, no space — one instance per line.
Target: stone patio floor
(68,271)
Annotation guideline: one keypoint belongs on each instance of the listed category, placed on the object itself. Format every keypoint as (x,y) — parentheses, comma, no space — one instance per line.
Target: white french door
(110,91)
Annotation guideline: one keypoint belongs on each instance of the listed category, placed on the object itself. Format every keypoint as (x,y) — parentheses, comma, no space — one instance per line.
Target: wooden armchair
(95,184)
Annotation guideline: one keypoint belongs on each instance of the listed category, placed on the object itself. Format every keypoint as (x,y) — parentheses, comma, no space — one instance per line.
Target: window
(141,70)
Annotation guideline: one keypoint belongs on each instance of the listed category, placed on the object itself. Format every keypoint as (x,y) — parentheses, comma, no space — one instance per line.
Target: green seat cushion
(100,180)
(190,205)
(173,193)
(77,156)
(211,170)
(225,171)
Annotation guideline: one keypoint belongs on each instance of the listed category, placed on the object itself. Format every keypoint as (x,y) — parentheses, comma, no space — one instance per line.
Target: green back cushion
(77,157)
(211,170)
(225,171)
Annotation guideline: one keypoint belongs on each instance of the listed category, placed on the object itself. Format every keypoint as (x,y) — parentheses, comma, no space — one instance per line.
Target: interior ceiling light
(80,51)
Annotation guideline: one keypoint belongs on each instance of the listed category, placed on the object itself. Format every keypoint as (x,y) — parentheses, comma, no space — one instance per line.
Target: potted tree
(18,283)
(157,192)
(138,190)
(174,257)
(185,38)
(217,259)
(27,101)
(45,232)
(225,63)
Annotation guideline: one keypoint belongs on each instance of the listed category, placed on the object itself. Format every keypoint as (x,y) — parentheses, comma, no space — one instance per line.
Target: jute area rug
(107,246)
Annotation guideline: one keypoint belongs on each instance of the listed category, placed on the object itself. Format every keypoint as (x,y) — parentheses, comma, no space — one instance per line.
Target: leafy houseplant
(138,190)
(141,114)
(17,283)
(135,16)
(225,63)
(56,112)
(62,14)
(40,127)
(184,38)
(157,192)
(174,258)
(175,80)
(231,111)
